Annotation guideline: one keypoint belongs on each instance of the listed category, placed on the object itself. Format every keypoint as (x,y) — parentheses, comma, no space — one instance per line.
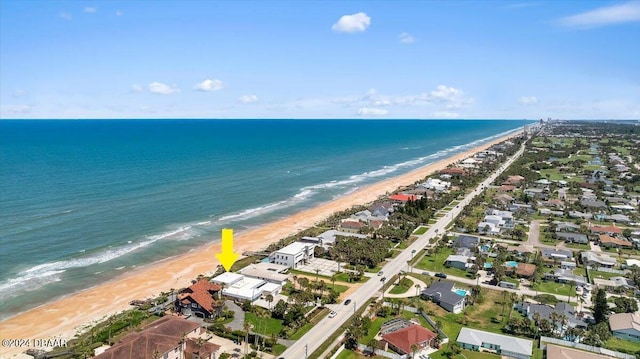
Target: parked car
(346,302)
(441,275)
(380,273)
(383,279)
(332,314)
(425,273)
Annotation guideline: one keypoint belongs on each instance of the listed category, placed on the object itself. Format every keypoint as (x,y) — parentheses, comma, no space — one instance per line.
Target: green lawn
(373,330)
(348,354)
(337,287)
(466,354)
(420,230)
(402,287)
(575,157)
(553,288)
(579,246)
(435,263)
(603,275)
(264,325)
(484,316)
(622,345)
(344,277)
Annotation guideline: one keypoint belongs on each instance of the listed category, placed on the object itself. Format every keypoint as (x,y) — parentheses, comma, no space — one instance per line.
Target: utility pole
(305,351)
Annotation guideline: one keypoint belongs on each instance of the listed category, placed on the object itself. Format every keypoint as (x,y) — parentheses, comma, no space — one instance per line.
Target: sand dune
(64,317)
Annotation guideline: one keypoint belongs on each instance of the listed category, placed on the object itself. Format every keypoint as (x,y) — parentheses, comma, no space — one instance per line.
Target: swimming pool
(511,263)
(488,265)
(462,292)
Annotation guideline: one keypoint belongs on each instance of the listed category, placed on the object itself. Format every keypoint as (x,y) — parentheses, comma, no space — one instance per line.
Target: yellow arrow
(227,257)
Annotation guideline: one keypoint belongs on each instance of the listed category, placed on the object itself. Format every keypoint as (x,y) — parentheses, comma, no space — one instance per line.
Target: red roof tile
(606,239)
(609,229)
(202,293)
(403,197)
(405,337)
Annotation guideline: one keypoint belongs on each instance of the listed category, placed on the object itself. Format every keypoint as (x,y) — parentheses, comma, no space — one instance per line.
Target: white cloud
(118,13)
(607,15)
(210,85)
(66,16)
(370,111)
(163,89)
(16,109)
(90,10)
(406,38)
(352,23)
(528,100)
(445,114)
(248,99)
(136,88)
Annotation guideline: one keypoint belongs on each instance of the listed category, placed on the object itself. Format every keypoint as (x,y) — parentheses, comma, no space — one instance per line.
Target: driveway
(534,234)
(238,317)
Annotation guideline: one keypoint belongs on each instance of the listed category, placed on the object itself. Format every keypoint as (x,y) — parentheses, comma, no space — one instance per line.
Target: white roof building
(238,286)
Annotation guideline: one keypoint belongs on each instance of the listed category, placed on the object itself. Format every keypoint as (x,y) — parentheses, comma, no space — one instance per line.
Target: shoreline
(65,316)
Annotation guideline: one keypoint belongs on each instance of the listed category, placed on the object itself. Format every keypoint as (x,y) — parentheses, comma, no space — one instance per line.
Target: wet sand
(64,317)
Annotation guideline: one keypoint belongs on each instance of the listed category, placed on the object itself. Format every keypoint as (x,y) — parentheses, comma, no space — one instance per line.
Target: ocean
(84,201)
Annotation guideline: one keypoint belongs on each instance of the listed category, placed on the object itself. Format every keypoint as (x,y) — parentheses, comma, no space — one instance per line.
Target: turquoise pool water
(488,265)
(511,263)
(461,292)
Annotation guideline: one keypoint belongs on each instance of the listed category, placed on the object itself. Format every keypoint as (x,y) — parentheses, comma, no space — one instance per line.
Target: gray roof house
(565,276)
(506,346)
(544,311)
(598,259)
(443,293)
(559,254)
(573,237)
(466,241)
(566,226)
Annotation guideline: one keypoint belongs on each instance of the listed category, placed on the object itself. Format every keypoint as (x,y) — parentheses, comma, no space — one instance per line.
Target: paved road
(321,331)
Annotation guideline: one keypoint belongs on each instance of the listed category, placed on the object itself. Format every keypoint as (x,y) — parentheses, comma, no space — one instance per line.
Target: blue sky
(322,59)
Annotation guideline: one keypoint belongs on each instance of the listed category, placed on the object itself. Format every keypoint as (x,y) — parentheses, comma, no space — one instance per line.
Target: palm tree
(295,280)
(373,343)
(317,272)
(246,326)
(269,299)
(417,289)
(414,349)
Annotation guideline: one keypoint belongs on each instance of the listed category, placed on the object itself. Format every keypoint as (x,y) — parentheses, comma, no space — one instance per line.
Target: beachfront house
(202,299)
(506,346)
(168,337)
(293,255)
(241,287)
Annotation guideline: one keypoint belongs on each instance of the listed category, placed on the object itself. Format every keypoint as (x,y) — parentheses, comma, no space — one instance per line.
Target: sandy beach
(64,317)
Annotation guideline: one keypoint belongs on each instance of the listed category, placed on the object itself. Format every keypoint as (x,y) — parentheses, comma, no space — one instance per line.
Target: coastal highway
(321,331)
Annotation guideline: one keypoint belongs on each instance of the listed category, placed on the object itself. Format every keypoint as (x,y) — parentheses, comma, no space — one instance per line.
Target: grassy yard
(435,263)
(622,345)
(553,288)
(584,247)
(420,230)
(603,275)
(349,354)
(264,325)
(344,277)
(402,287)
(484,316)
